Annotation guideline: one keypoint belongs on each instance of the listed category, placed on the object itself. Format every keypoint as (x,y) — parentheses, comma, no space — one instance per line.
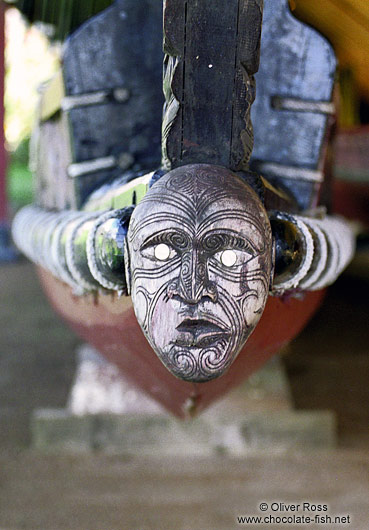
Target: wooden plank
(212,54)
(128,57)
(211,41)
(297,63)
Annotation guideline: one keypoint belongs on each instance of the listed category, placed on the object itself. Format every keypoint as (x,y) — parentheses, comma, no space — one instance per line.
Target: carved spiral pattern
(186,274)
(182,180)
(183,364)
(201,271)
(215,242)
(177,240)
(198,179)
(213,359)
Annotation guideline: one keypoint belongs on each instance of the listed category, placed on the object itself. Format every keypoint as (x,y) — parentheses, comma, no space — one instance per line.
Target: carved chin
(199,365)
(202,358)
(199,348)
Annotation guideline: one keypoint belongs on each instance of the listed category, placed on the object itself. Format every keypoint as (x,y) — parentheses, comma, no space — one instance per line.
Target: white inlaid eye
(162,252)
(228,258)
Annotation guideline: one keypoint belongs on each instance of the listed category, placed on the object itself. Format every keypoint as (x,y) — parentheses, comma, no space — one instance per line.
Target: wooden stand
(107,413)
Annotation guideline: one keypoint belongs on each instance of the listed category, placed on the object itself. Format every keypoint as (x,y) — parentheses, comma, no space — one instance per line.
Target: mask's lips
(203,332)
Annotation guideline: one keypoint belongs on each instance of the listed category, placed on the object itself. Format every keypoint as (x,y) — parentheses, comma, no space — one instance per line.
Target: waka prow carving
(200,242)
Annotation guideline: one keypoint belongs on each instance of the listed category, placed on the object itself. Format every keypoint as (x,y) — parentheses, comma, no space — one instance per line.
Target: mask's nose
(193,283)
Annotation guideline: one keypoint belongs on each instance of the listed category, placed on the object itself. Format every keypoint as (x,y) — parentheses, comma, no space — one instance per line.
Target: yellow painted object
(52,98)
(346,24)
(121,197)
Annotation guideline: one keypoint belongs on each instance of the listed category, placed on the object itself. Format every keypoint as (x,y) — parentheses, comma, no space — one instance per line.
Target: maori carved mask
(200,261)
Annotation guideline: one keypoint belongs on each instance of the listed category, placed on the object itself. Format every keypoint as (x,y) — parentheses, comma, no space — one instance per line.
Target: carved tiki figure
(200,262)
(200,241)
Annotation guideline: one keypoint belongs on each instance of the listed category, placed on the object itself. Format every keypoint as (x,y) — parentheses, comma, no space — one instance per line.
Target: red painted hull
(109,324)
(351,200)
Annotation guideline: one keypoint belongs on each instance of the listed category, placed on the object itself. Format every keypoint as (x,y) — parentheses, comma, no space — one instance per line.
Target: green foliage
(30,62)
(64,15)
(21,97)
(19,177)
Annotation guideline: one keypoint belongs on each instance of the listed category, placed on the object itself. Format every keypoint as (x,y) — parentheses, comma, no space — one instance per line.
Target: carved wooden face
(200,258)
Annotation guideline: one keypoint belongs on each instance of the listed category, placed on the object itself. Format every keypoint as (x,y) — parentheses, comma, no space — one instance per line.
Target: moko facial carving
(200,260)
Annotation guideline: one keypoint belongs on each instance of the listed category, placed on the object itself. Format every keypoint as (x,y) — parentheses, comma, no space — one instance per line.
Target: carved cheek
(149,286)
(254,286)
(229,281)
(155,310)
(141,305)
(165,317)
(246,290)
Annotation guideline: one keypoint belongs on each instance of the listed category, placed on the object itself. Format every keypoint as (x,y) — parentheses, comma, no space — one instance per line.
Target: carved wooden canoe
(109,323)
(233,231)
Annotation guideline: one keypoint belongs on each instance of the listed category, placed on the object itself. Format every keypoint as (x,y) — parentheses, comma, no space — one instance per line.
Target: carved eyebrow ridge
(170,237)
(161,216)
(228,239)
(230,214)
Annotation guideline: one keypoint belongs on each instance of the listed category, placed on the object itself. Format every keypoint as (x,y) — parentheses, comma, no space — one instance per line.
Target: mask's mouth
(199,333)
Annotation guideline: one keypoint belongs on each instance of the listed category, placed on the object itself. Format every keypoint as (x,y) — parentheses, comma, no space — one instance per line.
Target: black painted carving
(296,62)
(200,261)
(121,48)
(212,52)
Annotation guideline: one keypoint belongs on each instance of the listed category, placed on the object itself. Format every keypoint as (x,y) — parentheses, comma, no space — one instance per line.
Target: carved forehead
(196,193)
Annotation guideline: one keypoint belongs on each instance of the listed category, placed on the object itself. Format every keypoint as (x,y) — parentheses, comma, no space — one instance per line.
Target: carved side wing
(293,103)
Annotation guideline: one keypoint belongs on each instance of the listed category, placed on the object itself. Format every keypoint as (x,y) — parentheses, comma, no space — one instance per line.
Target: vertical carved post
(212,52)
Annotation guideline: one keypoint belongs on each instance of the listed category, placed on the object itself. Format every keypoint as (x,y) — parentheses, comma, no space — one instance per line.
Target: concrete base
(99,388)
(105,412)
(58,430)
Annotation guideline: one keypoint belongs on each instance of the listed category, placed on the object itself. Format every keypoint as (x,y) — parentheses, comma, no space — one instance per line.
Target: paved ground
(328,364)
(36,353)
(328,367)
(113,493)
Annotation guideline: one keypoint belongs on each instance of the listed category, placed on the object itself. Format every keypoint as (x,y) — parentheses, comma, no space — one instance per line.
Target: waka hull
(109,324)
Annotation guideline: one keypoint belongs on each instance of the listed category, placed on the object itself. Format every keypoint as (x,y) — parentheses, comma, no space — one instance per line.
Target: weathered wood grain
(200,258)
(120,49)
(212,52)
(293,97)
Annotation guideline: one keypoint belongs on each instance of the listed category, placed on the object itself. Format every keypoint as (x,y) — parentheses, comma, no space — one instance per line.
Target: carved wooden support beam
(212,51)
